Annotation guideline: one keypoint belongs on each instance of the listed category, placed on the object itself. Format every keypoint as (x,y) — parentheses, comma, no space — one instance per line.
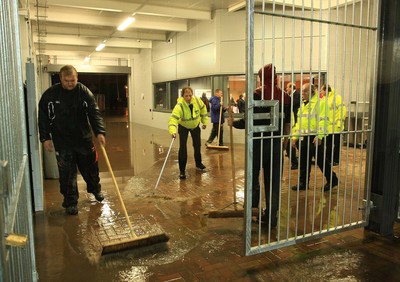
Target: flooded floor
(201,248)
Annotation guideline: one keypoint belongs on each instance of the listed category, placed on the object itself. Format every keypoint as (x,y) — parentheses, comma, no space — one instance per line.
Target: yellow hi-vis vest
(311,119)
(336,112)
(181,114)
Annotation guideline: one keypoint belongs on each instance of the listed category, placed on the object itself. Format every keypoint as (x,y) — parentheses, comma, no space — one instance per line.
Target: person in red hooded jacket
(270,143)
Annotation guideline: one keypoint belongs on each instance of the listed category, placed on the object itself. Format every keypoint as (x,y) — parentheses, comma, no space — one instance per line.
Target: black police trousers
(68,160)
(182,154)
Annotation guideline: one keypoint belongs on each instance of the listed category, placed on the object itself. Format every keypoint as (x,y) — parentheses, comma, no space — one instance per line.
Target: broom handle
(232,159)
(165,161)
(219,123)
(116,187)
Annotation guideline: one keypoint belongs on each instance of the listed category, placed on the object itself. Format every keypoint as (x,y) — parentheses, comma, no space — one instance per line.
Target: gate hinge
(371,205)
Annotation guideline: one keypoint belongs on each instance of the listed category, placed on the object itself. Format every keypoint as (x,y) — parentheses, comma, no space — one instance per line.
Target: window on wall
(237,87)
(175,90)
(201,85)
(232,86)
(160,96)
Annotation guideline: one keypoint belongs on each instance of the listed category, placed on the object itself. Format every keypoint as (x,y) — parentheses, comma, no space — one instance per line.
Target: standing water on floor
(68,248)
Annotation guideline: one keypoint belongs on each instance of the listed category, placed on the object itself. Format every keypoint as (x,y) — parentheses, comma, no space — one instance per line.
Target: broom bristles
(217,147)
(136,242)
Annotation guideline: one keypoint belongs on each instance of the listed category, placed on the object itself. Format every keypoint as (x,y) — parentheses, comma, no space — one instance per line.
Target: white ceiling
(80,25)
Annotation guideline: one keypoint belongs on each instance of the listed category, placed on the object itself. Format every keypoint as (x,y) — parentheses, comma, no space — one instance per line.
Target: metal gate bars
(17,247)
(319,183)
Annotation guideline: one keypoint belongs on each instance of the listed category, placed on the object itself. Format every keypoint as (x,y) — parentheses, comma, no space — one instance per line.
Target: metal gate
(17,246)
(331,43)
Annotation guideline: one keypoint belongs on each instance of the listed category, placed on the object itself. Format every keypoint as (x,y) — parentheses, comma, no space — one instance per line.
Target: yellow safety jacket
(311,119)
(181,114)
(336,112)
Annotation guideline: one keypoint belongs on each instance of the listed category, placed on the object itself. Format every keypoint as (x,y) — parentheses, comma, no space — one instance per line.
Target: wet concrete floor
(68,248)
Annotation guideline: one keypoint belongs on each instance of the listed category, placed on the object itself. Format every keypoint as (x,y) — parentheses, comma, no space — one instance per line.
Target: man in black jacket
(241,103)
(296,101)
(266,145)
(67,115)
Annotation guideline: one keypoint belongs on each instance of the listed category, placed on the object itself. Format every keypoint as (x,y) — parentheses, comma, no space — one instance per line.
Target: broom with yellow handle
(135,241)
(225,212)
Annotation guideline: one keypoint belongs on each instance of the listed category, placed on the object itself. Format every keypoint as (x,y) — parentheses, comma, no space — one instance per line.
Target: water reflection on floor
(68,248)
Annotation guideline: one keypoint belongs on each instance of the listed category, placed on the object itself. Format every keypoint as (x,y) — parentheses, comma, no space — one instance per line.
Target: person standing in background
(336,119)
(215,109)
(296,100)
(232,102)
(241,103)
(186,116)
(205,101)
(269,144)
(311,128)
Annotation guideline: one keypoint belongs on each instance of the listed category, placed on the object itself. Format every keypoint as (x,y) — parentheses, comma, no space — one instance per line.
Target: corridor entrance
(319,184)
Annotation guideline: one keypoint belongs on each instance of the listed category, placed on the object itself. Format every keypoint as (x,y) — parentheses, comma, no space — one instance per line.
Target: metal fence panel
(310,43)
(17,246)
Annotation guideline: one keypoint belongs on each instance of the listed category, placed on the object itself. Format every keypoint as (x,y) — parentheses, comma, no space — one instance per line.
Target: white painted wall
(141,89)
(218,47)
(348,62)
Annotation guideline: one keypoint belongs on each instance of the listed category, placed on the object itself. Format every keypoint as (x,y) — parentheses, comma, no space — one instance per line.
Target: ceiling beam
(130,8)
(142,35)
(86,17)
(92,42)
(99,32)
(236,6)
(100,5)
(57,49)
(159,23)
(175,12)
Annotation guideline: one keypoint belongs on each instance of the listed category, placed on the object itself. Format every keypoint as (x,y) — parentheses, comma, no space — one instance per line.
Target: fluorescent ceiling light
(87,59)
(100,47)
(126,23)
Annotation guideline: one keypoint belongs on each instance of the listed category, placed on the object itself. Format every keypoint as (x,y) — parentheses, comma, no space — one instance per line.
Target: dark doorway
(110,90)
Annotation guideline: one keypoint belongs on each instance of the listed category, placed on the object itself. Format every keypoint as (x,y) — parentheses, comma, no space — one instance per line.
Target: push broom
(224,213)
(135,241)
(219,131)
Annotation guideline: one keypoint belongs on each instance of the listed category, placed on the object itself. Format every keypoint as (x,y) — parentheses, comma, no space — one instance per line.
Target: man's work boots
(99,196)
(301,187)
(200,166)
(328,186)
(182,175)
(72,210)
